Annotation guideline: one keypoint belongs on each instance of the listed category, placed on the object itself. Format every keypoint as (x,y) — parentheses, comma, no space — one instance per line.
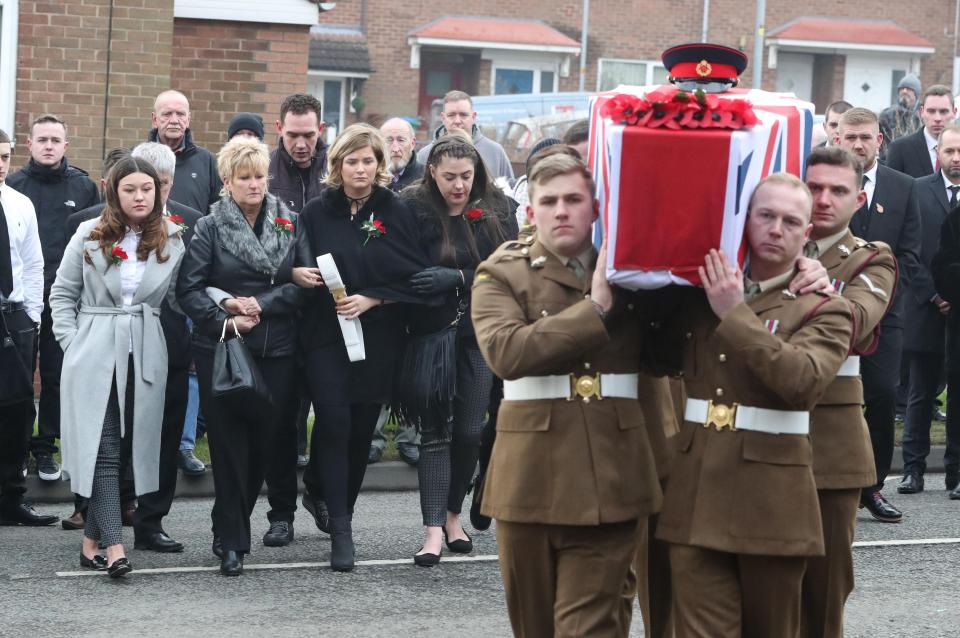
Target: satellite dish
(327,6)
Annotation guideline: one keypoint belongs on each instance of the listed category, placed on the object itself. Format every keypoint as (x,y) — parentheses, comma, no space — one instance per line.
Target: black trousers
(244,445)
(152,507)
(51,362)
(13,443)
(881,376)
(925,372)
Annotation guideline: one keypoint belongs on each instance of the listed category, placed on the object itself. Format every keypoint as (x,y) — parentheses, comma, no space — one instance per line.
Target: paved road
(903,590)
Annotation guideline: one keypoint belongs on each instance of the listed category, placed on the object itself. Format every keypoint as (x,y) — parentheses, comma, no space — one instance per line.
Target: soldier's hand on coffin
(436,279)
(811,277)
(722,282)
(246,324)
(600,291)
(307,277)
(355,305)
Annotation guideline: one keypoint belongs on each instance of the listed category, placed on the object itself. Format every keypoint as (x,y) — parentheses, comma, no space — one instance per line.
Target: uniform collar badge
(538,262)
(844,250)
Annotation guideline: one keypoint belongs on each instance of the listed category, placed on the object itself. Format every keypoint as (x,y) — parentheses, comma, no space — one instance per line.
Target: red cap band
(703,69)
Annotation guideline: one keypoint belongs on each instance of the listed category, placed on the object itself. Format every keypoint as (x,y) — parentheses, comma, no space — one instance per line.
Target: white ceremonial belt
(571,386)
(744,417)
(850,367)
(351,329)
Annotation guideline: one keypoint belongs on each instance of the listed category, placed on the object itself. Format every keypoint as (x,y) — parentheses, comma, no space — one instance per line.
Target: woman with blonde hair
(236,276)
(373,243)
(116,272)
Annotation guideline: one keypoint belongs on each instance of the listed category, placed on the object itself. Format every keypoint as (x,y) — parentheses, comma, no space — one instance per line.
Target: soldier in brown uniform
(572,473)
(865,274)
(753,368)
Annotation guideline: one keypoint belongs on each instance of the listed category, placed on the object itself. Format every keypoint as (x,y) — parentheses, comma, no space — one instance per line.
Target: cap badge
(704,69)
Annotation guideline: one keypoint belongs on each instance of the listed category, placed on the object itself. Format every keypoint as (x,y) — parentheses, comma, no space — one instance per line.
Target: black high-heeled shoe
(427,560)
(232,563)
(120,568)
(459,546)
(98,563)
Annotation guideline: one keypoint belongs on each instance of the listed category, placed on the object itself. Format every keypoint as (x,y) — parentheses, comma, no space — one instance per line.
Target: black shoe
(158,542)
(374,455)
(940,415)
(317,509)
(120,567)
(480,521)
(409,453)
(232,563)
(189,464)
(280,534)
(47,468)
(341,544)
(24,514)
(955,494)
(427,560)
(76,521)
(98,563)
(951,481)
(880,508)
(302,461)
(458,546)
(911,483)
(217,547)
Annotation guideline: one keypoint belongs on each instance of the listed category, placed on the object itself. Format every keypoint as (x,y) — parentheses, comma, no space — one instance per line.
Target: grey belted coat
(96,331)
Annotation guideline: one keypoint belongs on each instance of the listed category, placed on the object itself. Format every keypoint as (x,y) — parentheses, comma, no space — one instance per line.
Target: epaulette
(510,251)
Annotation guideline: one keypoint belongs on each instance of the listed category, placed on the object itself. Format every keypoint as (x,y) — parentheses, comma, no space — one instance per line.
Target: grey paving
(906,591)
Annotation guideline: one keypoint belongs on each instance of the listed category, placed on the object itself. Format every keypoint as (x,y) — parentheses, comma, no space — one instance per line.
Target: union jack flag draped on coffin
(667,196)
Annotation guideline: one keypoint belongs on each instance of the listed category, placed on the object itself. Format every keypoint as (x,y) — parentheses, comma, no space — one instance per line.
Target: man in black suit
(925,314)
(946,275)
(151,508)
(915,154)
(890,215)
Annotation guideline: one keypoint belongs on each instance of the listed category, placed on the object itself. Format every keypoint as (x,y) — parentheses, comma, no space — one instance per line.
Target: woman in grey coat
(105,303)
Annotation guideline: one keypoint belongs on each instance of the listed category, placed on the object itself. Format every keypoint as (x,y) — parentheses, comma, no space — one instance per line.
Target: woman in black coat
(462,218)
(239,268)
(372,238)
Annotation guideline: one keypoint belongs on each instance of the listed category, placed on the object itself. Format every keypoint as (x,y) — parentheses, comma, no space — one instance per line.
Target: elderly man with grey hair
(151,508)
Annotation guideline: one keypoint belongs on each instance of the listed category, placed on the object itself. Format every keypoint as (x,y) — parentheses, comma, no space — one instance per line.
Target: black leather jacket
(209,263)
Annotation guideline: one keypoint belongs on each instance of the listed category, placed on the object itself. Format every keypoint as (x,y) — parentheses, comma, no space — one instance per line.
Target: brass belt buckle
(721,416)
(585,386)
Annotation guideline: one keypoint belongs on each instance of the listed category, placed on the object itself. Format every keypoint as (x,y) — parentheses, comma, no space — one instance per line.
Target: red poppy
(118,254)
(474,214)
(282,225)
(379,226)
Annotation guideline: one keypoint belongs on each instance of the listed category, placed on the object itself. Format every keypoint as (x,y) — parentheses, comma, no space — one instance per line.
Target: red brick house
(100,64)
(821,50)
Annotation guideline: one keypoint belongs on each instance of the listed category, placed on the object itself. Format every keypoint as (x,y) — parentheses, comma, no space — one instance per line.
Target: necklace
(356,203)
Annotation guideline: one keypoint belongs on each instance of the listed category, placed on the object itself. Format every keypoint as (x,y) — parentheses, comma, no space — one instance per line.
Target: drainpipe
(706,20)
(583,44)
(758,45)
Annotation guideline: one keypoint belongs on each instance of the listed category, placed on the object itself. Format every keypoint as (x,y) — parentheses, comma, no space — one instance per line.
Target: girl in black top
(373,240)
(462,218)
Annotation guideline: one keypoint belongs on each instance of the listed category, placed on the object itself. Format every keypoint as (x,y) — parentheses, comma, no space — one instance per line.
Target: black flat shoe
(458,546)
(98,563)
(120,568)
(232,563)
(427,560)
(217,547)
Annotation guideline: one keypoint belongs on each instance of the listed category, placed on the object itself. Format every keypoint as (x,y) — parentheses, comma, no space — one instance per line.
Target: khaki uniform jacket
(744,491)
(557,461)
(865,274)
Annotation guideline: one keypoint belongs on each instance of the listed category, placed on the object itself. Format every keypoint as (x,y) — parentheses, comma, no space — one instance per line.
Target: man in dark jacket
(197,182)
(152,507)
(57,190)
(299,163)
(401,141)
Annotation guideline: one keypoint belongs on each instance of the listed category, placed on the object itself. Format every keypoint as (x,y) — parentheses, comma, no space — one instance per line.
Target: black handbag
(236,376)
(16,377)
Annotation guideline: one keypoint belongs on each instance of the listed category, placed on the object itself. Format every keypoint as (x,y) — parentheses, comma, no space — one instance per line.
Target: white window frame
(650,66)
(8,64)
(537,70)
(315,86)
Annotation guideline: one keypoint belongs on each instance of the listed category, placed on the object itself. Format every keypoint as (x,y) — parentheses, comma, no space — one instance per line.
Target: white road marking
(909,541)
(486,558)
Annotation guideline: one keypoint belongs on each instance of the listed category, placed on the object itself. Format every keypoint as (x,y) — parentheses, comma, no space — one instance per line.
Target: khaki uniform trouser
(828,580)
(568,580)
(654,593)
(723,595)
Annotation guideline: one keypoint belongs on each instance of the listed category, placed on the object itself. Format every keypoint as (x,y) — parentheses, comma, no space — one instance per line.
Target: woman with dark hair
(372,241)
(105,304)
(462,218)
(237,277)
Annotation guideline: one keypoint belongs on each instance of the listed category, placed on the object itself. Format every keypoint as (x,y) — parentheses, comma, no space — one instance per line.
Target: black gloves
(436,280)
